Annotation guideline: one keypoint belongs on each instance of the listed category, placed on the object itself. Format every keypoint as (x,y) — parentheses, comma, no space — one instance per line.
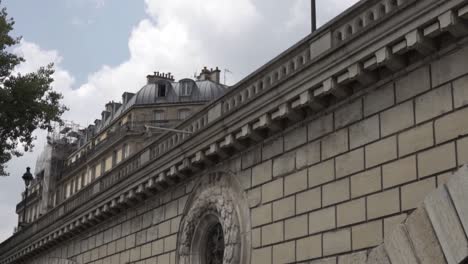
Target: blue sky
(102,48)
(87,33)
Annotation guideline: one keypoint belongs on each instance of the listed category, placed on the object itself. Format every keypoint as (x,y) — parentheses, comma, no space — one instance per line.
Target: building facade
(339,150)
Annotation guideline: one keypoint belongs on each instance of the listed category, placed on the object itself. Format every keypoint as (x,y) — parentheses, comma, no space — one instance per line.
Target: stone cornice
(321,83)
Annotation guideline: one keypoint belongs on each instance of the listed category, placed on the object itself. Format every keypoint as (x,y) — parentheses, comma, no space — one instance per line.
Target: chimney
(210,75)
(159,76)
(126,96)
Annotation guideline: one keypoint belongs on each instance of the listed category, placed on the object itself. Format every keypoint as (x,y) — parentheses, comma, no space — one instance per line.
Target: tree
(27,101)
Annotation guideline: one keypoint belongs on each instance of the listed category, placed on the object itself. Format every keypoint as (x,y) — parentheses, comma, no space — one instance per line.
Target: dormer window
(185,89)
(162,90)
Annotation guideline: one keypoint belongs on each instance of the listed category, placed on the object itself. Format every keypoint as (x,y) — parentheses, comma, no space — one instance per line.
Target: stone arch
(217,198)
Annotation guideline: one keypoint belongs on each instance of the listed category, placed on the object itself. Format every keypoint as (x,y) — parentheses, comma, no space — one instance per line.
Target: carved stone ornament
(215,228)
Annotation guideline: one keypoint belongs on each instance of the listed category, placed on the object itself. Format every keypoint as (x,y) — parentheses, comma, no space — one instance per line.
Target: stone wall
(303,170)
(332,187)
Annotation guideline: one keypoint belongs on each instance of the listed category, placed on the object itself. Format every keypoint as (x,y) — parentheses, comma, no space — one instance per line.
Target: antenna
(226,71)
(313,15)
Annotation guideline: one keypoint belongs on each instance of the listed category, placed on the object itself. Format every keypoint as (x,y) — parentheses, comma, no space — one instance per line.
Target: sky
(102,48)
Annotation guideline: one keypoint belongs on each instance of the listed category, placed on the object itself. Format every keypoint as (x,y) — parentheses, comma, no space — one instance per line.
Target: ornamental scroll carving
(217,199)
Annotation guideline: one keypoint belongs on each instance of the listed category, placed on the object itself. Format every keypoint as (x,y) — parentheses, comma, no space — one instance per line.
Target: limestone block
(322,220)
(295,182)
(381,151)
(320,45)
(284,164)
(261,215)
(272,148)
(449,67)
(399,247)
(157,247)
(416,139)
(256,237)
(284,253)
(284,208)
(348,114)
(146,251)
(436,160)
(351,212)
(140,237)
(399,172)
(447,225)
(457,187)
(384,203)
(378,255)
(170,243)
(130,241)
(152,233)
(272,190)
(308,154)
(321,173)
(262,173)
(320,127)
(331,260)
(296,227)
(164,259)
(397,118)
(245,178)
(309,248)
(353,258)
(254,196)
(335,242)
(251,157)
(452,126)
(413,84)
(391,222)
(413,194)
(367,235)
(295,138)
(434,103)
(335,192)
(379,100)
(462,151)
(335,144)
(171,210)
(272,233)
(308,200)
(164,228)
(424,241)
(261,255)
(364,132)
(349,163)
(135,254)
(125,257)
(460,92)
(366,182)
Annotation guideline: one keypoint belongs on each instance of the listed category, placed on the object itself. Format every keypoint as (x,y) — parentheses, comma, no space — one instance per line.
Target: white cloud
(180,36)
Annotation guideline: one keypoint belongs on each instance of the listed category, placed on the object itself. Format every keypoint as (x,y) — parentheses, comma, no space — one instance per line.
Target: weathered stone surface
(381,151)
(295,227)
(284,253)
(367,235)
(335,144)
(384,203)
(378,255)
(335,242)
(348,114)
(272,233)
(351,212)
(320,127)
(449,67)
(414,83)
(294,138)
(457,187)
(436,160)
(413,194)
(284,164)
(399,172)
(321,173)
(366,182)
(460,92)
(349,163)
(397,118)
(364,132)
(424,241)
(433,103)
(295,182)
(322,220)
(283,208)
(308,200)
(309,248)
(399,248)
(272,190)
(416,139)
(379,100)
(354,258)
(452,126)
(336,192)
(447,225)
(262,173)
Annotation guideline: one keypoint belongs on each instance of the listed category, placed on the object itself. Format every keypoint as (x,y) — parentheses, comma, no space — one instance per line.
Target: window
(67,190)
(159,115)
(185,89)
(183,113)
(126,151)
(162,90)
